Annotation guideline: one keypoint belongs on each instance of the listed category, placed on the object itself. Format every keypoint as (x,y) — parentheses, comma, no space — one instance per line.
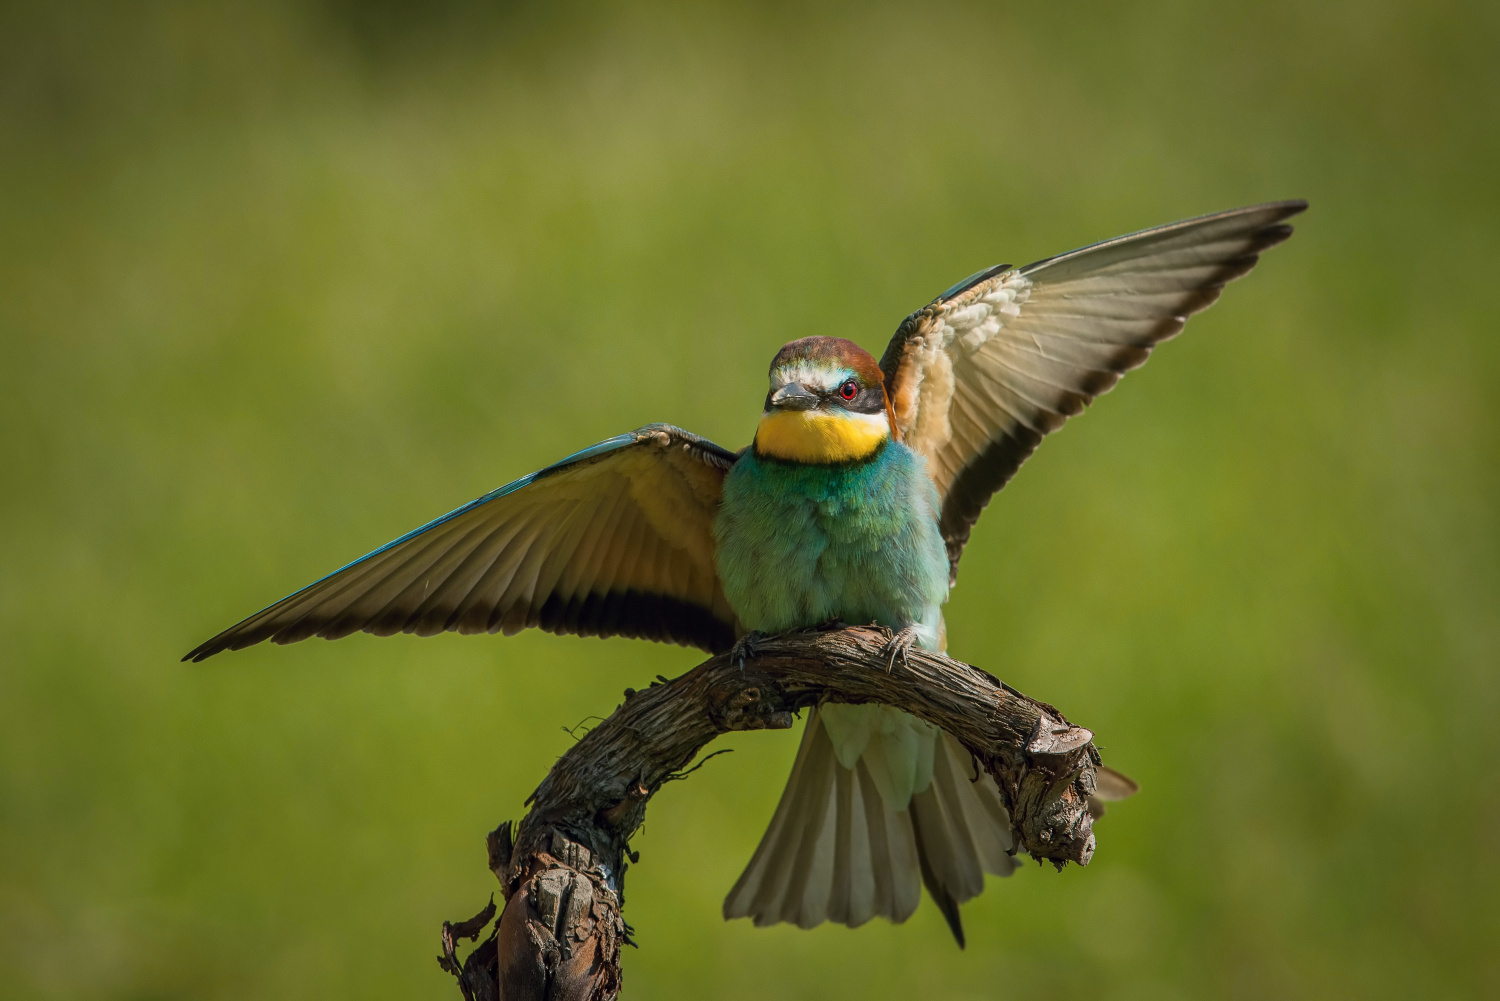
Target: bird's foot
(746,647)
(898,645)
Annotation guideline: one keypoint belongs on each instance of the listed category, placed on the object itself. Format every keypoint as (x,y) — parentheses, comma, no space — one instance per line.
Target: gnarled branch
(561,869)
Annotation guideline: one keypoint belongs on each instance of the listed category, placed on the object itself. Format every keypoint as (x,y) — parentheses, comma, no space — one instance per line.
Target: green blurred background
(280,281)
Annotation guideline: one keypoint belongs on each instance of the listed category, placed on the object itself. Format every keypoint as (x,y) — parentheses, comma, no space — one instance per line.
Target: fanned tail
(835,851)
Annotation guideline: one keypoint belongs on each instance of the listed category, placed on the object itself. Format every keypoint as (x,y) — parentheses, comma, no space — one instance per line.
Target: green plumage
(799,544)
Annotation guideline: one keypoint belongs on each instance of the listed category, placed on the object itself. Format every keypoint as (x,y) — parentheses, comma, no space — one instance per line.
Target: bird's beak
(794,396)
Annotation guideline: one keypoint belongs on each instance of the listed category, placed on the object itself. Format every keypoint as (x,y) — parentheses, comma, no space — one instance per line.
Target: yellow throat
(820,436)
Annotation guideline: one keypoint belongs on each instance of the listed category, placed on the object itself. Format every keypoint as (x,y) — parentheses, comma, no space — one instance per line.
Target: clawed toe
(745,648)
(898,646)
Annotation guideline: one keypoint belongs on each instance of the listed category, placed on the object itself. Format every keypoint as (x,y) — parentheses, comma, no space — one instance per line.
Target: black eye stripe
(866,401)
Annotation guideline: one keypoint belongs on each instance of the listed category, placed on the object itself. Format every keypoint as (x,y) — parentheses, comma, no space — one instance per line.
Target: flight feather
(977,378)
(616,540)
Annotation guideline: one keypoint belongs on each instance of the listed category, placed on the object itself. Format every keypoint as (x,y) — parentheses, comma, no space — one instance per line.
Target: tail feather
(963,831)
(835,851)
(879,854)
(762,890)
(941,894)
(810,879)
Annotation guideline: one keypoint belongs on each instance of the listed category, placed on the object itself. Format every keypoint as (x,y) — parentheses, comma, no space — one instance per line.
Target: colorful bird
(854,501)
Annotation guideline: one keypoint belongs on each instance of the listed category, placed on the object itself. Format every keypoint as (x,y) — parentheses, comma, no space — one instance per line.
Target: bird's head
(827,404)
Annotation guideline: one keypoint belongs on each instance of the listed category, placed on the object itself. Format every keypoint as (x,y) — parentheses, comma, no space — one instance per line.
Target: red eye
(849,390)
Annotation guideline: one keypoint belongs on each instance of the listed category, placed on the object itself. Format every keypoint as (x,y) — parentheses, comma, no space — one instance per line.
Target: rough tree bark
(561,869)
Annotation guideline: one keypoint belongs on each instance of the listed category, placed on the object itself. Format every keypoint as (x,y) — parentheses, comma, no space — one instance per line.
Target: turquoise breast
(800,544)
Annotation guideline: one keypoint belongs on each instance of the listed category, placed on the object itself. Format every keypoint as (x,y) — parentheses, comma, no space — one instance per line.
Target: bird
(854,501)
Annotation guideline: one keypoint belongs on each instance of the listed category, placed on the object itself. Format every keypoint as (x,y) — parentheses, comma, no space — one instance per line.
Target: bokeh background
(280,281)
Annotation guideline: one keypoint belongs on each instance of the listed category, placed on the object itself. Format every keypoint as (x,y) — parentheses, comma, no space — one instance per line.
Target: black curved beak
(793,396)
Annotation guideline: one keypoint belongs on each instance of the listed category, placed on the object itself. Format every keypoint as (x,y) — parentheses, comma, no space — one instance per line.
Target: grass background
(280,281)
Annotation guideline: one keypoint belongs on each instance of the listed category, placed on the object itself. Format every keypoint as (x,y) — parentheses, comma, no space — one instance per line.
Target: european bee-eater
(854,501)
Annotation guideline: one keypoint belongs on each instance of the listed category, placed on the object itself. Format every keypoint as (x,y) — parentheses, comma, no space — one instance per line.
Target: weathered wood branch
(561,869)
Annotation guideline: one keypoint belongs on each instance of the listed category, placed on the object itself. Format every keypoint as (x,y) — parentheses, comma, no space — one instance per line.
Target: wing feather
(623,540)
(470,608)
(444,606)
(404,612)
(444,583)
(572,528)
(615,540)
(980,376)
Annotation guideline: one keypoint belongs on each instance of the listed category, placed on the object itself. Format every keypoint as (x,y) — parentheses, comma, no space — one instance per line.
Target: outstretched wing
(616,540)
(977,378)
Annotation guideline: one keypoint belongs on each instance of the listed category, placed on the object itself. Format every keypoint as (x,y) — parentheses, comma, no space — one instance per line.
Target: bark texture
(561,868)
